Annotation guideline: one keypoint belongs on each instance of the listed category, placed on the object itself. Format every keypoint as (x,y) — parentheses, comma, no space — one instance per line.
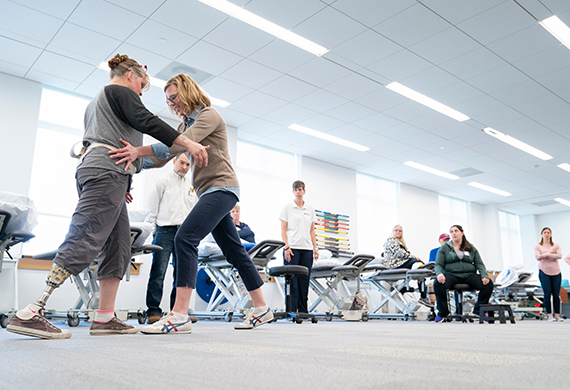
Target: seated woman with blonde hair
(397,255)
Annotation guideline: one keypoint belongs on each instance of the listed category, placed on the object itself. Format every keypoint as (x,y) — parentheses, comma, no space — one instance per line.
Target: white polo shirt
(299,225)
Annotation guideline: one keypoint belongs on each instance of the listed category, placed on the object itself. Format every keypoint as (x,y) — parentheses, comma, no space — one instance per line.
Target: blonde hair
(121,64)
(401,239)
(189,92)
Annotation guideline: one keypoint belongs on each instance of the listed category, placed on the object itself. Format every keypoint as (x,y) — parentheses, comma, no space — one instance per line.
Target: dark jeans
(212,214)
(163,237)
(300,284)
(551,287)
(475,281)
(421,283)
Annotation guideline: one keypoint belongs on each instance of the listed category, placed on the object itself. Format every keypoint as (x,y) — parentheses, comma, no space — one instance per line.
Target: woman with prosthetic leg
(100,224)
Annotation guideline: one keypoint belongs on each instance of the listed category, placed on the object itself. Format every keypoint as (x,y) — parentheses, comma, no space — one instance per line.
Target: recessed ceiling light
(162,40)
(161,83)
(427,101)
(558,29)
(564,166)
(265,25)
(563,201)
(433,171)
(328,137)
(517,144)
(489,189)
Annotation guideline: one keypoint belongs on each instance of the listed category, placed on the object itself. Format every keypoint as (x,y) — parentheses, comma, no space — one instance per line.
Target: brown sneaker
(114,326)
(153,318)
(31,322)
(193,319)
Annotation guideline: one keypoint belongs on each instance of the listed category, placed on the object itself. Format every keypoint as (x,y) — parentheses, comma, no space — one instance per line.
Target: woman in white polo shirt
(298,232)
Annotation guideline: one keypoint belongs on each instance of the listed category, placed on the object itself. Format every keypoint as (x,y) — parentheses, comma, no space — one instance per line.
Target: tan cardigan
(209,128)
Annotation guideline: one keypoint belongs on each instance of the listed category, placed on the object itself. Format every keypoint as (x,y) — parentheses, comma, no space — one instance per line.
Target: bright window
(376,212)
(265,176)
(452,212)
(510,239)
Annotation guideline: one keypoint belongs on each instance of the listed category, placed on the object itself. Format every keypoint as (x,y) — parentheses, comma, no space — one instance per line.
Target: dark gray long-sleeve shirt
(117,113)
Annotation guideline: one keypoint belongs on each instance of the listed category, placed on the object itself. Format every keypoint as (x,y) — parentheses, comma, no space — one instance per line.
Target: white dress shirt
(170,200)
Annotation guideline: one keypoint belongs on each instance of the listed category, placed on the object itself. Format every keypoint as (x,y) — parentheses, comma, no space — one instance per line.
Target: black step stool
(490,309)
(289,272)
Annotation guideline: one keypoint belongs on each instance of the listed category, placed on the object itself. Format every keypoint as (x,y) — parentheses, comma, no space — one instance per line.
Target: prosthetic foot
(30,321)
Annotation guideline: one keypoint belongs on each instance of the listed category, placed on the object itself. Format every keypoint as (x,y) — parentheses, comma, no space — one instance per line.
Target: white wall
(19,111)
(418,213)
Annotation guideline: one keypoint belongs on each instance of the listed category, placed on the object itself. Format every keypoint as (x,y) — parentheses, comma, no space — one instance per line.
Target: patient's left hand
(128,197)
(485,281)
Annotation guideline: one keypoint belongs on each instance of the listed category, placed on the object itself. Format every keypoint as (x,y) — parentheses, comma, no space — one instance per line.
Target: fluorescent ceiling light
(426,101)
(327,137)
(265,25)
(489,189)
(558,29)
(564,166)
(563,201)
(431,170)
(517,144)
(161,83)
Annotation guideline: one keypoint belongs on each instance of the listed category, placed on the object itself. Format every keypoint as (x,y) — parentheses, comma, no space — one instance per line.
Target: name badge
(465,253)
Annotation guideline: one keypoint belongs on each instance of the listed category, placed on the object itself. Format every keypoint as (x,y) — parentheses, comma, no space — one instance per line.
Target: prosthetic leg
(30,321)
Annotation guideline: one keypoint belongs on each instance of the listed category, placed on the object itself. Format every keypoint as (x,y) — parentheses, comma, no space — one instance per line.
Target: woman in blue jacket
(458,262)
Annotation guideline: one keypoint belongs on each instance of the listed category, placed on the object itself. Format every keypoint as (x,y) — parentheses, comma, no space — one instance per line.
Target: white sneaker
(168,324)
(551,319)
(560,319)
(255,319)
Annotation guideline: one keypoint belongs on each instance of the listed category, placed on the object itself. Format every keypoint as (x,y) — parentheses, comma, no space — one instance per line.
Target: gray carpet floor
(377,354)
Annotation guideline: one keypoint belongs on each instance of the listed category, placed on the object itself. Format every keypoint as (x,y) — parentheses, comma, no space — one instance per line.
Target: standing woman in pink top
(548,253)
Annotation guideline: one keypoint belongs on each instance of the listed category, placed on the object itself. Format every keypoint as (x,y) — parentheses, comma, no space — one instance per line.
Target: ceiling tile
(281,56)
(381,99)
(321,101)
(250,74)
(153,61)
(545,62)
(430,80)
(143,7)
(371,12)
(62,67)
(286,14)
(400,65)
(238,37)
(498,79)
(257,104)
(176,13)
(225,89)
(289,114)
(524,43)
(472,64)
(319,72)
(18,54)
(235,118)
(377,122)
(494,21)
(27,25)
(367,48)
(161,39)
(412,25)
(459,10)
(317,28)
(209,58)
(288,88)
(105,18)
(444,46)
(70,42)
(350,112)
(261,127)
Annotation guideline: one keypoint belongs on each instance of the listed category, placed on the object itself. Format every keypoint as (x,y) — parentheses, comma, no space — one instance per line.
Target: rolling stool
(289,272)
(459,289)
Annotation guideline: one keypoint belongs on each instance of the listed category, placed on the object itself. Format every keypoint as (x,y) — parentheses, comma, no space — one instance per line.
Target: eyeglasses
(172,98)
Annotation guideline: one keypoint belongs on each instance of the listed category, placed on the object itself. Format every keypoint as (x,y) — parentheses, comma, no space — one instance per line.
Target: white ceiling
(489,59)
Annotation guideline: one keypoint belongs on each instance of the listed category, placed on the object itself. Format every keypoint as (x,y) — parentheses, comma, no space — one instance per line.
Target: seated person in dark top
(458,262)
(245,233)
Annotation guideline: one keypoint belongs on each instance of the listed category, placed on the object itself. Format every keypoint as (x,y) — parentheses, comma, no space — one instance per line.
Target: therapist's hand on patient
(128,154)
(485,281)
(199,152)
(441,278)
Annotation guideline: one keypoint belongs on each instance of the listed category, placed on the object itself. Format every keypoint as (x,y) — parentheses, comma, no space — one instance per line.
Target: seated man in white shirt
(169,203)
